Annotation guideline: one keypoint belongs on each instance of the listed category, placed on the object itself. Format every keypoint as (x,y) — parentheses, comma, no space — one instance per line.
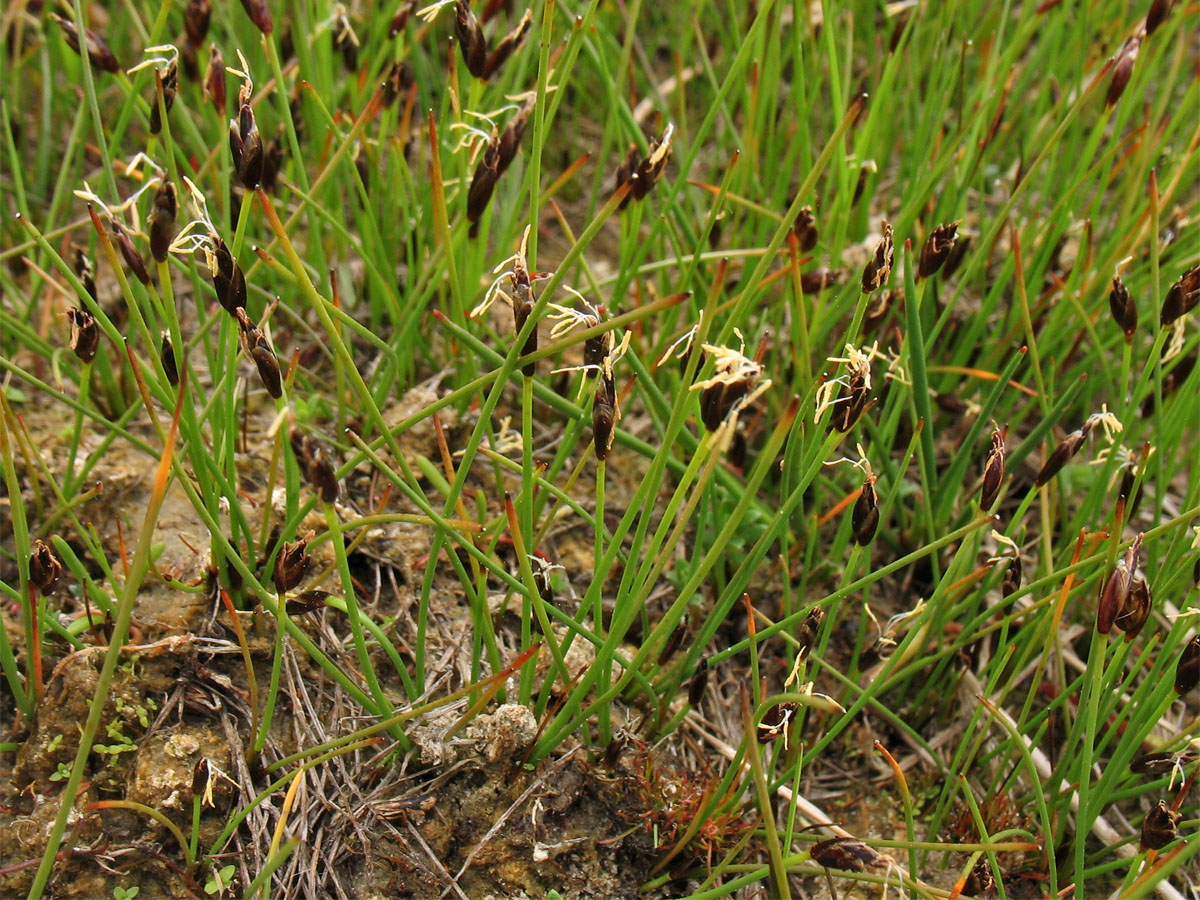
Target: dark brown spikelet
(44,568)
(877,312)
(98,50)
(133,259)
(805,229)
(259,15)
(510,138)
(1123,70)
(865,517)
(246,143)
(190,61)
(879,269)
(1187,669)
(993,471)
(806,633)
(307,602)
(1136,610)
(196,16)
(604,415)
(698,683)
(228,279)
(817,280)
(214,79)
(291,564)
(522,306)
(1157,14)
(673,642)
(1124,310)
(170,85)
(937,249)
(596,350)
(717,402)
(396,84)
(85,334)
(847,854)
(166,353)
(1114,592)
(400,17)
(1013,576)
(470,39)
(1182,296)
(651,169)
(322,475)
(1160,827)
(483,182)
(508,45)
(85,272)
(1061,455)
(957,254)
(775,722)
(162,221)
(625,172)
(852,403)
(268,367)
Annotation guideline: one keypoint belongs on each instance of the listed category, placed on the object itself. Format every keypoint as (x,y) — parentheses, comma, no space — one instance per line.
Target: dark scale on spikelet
(1160,827)
(864,520)
(44,568)
(1182,296)
(170,364)
(1114,592)
(400,17)
(698,683)
(1123,70)
(292,564)
(214,80)
(1187,669)
(85,272)
(396,84)
(937,249)
(259,15)
(196,17)
(1136,611)
(245,142)
(98,51)
(168,80)
(1157,14)
(879,268)
(133,259)
(85,334)
(805,229)
(162,221)
(641,174)
(604,413)
(1124,310)
(1062,454)
(993,470)
(471,41)
(508,45)
(227,277)
(497,157)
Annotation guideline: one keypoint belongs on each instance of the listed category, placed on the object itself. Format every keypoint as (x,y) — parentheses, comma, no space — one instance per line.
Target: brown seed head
(246,144)
(292,563)
(98,51)
(1159,10)
(1114,592)
(1182,296)
(133,259)
(401,17)
(1013,576)
(848,854)
(396,84)
(85,334)
(865,517)
(322,475)
(775,722)
(483,182)
(214,79)
(170,364)
(470,39)
(85,272)
(259,14)
(1187,669)
(268,367)
(1124,310)
(993,471)
(937,249)
(1136,610)
(805,229)
(1123,69)
(1061,456)
(162,221)
(650,169)
(196,16)
(852,402)
(879,269)
(604,415)
(510,138)
(228,279)
(1160,827)
(957,254)
(44,567)
(508,45)
(169,80)
(806,633)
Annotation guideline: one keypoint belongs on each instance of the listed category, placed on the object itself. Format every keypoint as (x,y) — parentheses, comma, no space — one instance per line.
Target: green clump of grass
(789,283)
